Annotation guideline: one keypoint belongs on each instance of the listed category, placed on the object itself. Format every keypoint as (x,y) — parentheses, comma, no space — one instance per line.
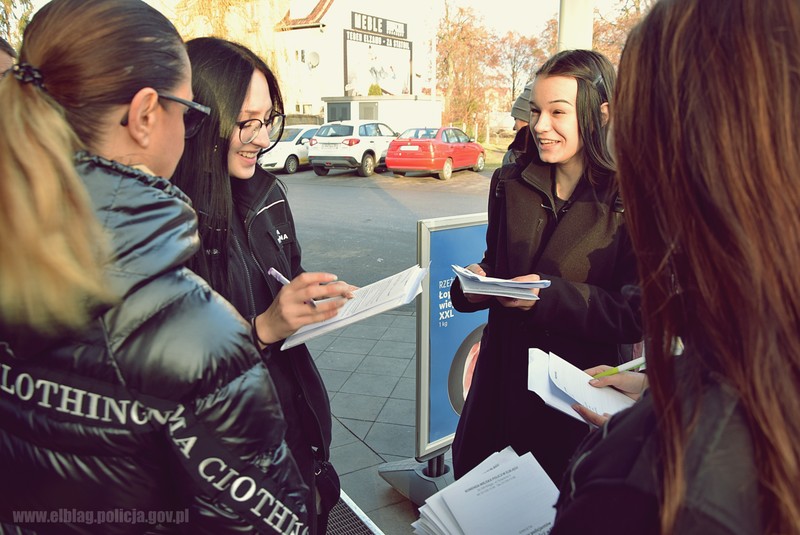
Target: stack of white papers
(506,493)
(367,301)
(560,385)
(472,283)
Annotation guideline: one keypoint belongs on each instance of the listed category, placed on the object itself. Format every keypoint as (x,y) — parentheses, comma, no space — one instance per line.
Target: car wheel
(367,166)
(321,171)
(480,164)
(447,170)
(291,164)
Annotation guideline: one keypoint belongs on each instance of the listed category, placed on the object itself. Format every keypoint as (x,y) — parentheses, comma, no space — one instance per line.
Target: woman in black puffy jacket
(132,397)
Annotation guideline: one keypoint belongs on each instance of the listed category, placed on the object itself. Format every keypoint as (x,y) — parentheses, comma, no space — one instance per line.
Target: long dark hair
(221,74)
(91,56)
(596,80)
(705,130)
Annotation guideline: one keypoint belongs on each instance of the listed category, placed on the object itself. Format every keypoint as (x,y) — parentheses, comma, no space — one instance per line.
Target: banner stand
(446,342)
(417,481)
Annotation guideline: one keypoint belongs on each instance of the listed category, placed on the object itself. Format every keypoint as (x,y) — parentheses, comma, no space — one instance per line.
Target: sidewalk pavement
(369,370)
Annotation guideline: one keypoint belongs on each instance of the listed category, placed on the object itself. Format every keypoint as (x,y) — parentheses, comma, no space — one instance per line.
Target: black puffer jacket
(161,411)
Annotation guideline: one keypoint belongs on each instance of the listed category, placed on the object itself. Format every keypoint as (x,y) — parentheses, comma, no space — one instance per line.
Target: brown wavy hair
(93,55)
(705,126)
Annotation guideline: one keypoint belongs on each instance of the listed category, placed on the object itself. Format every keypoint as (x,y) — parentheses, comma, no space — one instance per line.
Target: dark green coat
(582,317)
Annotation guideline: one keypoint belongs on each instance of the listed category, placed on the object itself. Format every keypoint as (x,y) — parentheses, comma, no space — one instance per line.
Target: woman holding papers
(246,230)
(555,215)
(713,446)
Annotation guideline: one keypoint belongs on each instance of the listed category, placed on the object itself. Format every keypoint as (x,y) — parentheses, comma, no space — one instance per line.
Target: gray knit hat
(522,109)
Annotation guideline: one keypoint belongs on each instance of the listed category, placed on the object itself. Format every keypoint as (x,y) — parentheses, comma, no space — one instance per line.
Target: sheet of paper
(575,383)
(477,284)
(515,497)
(539,382)
(367,301)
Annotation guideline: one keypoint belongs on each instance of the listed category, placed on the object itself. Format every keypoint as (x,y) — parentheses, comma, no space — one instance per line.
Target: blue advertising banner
(448,340)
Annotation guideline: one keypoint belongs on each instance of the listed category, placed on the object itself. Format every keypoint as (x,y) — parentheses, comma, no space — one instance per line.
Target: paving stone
(359,428)
(392,439)
(392,348)
(334,379)
(346,362)
(406,389)
(358,346)
(369,384)
(365,331)
(398,411)
(352,457)
(382,366)
(356,406)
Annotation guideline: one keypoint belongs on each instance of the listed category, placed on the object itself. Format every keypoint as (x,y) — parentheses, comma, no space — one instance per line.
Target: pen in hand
(278,276)
(633,364)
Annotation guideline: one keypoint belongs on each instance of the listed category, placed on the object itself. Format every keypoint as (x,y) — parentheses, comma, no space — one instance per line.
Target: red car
(434,150)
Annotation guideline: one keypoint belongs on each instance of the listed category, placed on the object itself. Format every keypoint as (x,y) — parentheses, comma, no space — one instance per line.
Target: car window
(370,129)
(447,136)
(289,134)
(461,137)
(385,130)
(309,134)
(335,130)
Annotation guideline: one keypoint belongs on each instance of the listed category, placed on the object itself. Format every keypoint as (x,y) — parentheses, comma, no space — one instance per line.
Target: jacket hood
(151,225)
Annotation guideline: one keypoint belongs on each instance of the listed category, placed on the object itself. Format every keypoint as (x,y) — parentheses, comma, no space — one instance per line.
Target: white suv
(359,145)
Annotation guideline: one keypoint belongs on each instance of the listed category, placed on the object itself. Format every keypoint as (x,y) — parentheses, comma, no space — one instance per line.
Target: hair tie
(28,74)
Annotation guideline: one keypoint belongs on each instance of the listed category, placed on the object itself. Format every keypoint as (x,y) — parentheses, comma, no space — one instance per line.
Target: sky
(504,16)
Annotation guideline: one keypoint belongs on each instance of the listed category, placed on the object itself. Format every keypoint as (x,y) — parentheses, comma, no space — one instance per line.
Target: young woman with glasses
(132,396)
(246,229)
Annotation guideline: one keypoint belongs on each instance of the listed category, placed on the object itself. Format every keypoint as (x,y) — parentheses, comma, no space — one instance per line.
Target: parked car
(291,151)
(435,150)
(359,145)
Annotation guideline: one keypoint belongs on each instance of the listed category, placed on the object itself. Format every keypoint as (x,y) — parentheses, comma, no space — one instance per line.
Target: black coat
(582,317)
(155,405)
(618,468)
(264,236)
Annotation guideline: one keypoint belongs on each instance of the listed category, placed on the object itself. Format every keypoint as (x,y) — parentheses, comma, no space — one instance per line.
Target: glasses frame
(203,111)
(240,125)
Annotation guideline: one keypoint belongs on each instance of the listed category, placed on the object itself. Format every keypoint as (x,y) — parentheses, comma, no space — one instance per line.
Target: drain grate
(347,518)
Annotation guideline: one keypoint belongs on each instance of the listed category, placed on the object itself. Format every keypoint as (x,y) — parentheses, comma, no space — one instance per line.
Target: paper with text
(367,301)
(473,283)
(560,384)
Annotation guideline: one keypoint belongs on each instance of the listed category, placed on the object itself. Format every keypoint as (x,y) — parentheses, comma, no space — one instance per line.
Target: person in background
(555,215)
(521,112)
(246,229)
(126,383)
(712,198)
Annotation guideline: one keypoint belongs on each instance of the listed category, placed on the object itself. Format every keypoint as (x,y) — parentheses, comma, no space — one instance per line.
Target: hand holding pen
(630,383)
(290,309)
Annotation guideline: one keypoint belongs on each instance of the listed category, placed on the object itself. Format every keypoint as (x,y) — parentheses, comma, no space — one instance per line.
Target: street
(365,228)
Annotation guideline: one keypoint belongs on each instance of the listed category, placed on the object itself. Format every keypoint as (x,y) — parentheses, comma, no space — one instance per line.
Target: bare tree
(518,56)
(466,59)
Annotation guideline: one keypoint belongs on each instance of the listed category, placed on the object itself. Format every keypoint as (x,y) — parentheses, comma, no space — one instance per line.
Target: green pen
(631,365)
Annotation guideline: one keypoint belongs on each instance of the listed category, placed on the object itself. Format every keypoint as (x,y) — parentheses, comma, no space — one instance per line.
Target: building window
(338,111)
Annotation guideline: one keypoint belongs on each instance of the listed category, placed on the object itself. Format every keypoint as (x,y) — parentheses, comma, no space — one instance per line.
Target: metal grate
(346,518)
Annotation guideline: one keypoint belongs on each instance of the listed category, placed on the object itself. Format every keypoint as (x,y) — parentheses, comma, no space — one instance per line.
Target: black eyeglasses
(193,117)
(249,129)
